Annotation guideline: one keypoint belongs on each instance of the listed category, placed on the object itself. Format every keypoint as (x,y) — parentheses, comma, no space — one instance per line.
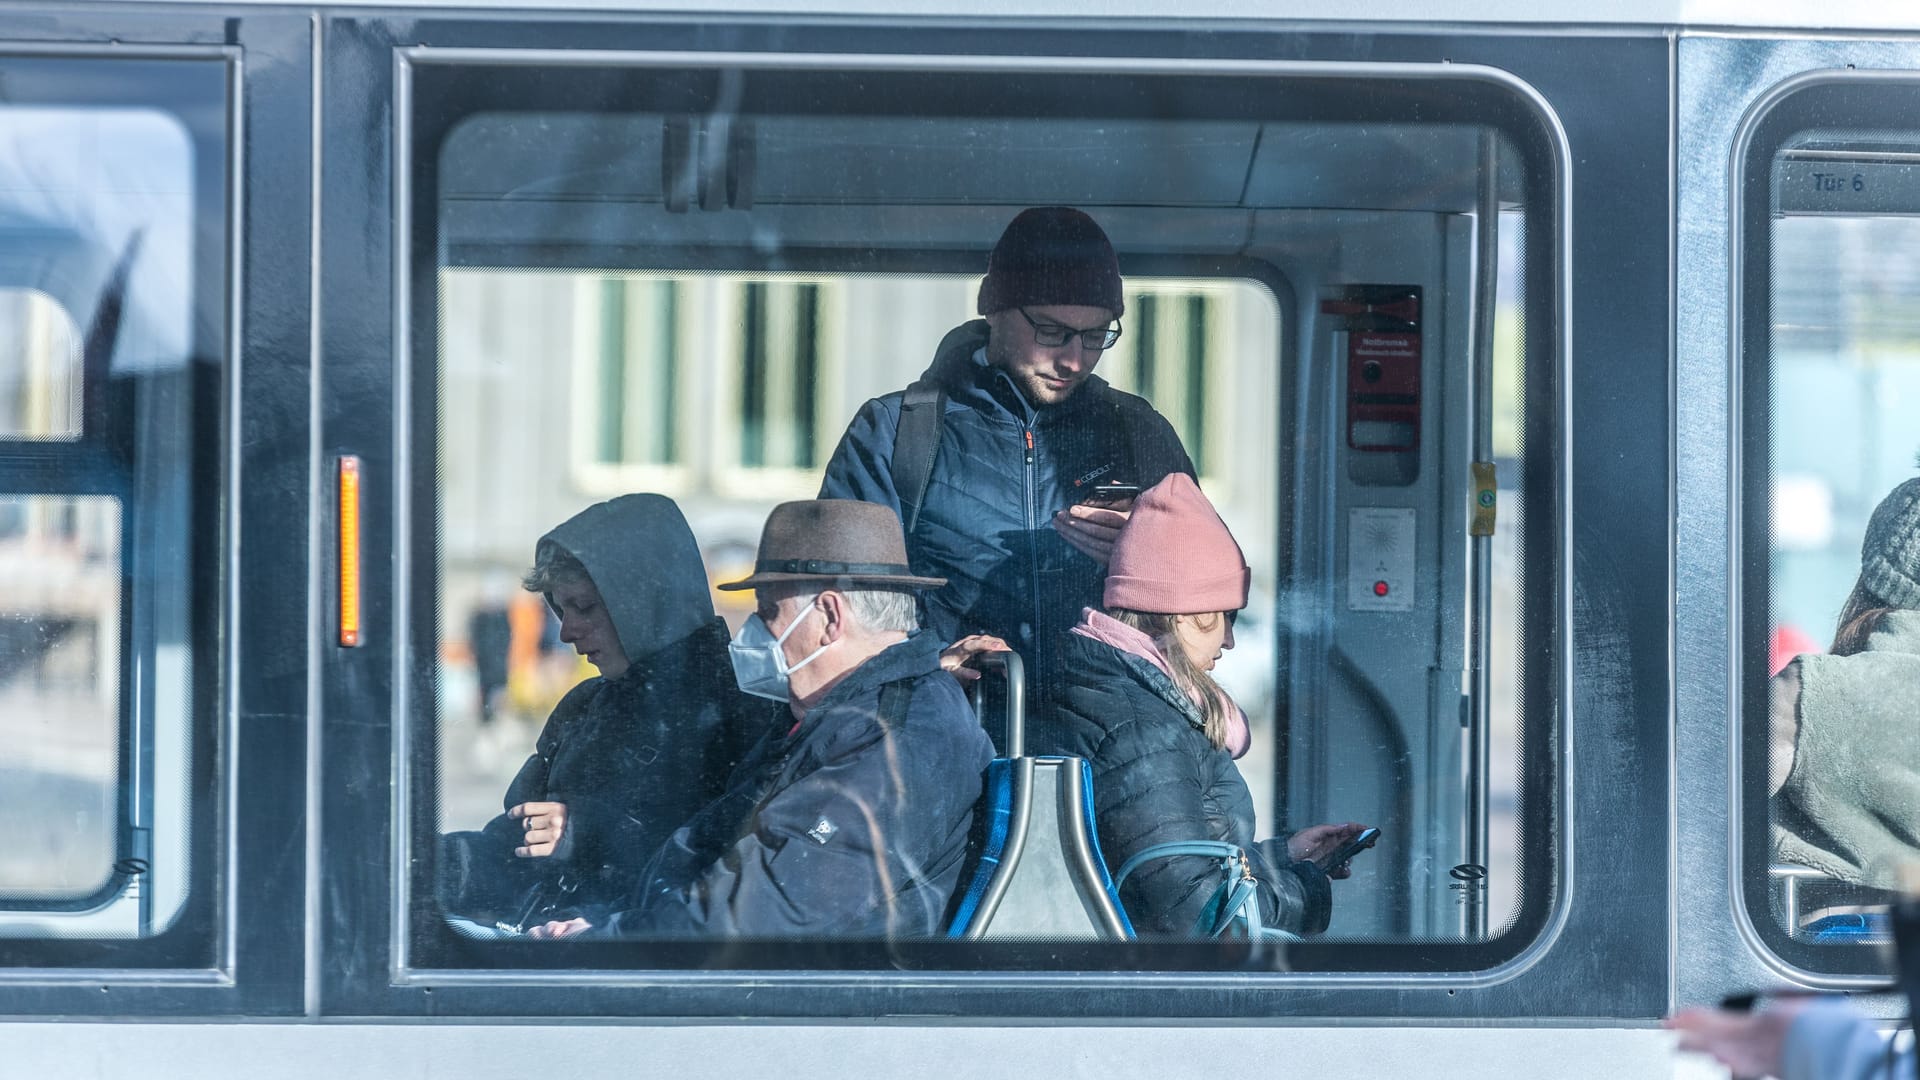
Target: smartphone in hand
(1367,838)
(1109,496)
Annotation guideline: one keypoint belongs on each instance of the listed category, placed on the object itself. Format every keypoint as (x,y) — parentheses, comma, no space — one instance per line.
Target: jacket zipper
(1032,512)
(1033,553)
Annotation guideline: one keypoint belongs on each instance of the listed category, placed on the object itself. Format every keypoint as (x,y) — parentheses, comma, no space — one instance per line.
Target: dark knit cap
(1890,557)
(1052,255)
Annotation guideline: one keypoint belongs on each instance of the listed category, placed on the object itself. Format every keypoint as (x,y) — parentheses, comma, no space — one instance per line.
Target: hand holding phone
(1367,838)
(1110,495)
(1093,524)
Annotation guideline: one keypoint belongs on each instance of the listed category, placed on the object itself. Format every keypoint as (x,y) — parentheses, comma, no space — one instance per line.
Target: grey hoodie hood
(643,559)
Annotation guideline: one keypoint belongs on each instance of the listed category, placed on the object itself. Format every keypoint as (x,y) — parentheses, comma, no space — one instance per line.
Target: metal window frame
(244,953)
(1727,85)
(1777,117)
(363,997)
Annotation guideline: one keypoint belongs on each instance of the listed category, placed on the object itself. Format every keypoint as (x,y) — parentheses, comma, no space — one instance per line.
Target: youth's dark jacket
(1000,472)
(633,758)
(850,826)
(1157,779)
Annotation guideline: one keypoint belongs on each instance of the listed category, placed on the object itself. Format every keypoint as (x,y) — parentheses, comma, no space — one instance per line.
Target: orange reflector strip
(349,550)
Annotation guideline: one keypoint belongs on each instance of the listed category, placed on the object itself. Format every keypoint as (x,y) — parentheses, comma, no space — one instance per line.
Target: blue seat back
(1038,873)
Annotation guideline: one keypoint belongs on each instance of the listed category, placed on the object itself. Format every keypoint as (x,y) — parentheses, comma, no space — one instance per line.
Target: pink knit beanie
(1175,556)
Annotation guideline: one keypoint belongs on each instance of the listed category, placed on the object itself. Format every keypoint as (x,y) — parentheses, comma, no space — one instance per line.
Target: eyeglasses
(1053,334)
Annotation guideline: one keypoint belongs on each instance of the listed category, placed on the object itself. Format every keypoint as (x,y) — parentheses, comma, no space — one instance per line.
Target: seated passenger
(627,757)
(1162,736)
(850,817)
(1844,767)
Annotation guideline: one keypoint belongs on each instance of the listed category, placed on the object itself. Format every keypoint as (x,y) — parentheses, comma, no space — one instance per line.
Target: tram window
(60,685)
(107,593)
(619,285)
(1830,351)
(1842,617)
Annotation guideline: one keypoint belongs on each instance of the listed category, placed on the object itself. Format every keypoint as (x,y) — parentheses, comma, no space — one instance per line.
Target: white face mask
(759,666)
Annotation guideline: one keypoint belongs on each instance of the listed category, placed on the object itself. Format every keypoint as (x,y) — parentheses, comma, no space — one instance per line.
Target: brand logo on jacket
(1094,475)
(822,831)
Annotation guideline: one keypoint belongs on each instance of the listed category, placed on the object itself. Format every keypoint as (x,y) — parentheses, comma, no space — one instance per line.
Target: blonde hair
(553,567)
(1213,701)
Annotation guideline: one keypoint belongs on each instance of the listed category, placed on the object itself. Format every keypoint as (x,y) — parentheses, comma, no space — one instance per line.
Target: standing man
(992,457)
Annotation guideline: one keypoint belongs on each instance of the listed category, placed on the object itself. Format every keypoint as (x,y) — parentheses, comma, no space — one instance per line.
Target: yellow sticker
(1486,499)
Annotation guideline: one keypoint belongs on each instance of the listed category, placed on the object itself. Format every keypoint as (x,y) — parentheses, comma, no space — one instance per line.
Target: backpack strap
(915,442)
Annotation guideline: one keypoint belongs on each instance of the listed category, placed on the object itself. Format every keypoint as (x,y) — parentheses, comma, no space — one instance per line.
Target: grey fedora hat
(826,540)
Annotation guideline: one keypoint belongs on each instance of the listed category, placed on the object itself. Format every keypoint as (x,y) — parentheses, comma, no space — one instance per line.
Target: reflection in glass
(39,367)
(101,218)
(59,694)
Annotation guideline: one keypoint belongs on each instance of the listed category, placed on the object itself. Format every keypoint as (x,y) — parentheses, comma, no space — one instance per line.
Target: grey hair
(878,609)
(554,566)
(881,610)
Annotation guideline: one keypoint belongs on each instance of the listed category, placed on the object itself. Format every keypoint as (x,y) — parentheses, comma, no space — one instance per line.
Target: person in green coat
(1845,726)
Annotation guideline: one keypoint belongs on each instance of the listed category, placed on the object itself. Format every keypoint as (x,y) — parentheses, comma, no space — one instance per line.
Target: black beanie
(1052,255)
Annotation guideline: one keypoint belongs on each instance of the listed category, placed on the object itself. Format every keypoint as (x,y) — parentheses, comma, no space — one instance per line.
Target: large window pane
(108,581)
(59,695)
(631,285)
(1844,390)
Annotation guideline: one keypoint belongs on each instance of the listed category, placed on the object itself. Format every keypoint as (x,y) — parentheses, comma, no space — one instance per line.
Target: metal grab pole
(1015,729)
(1480,579)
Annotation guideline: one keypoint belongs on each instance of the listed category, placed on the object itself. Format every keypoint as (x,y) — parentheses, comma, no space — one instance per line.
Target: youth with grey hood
(629,755)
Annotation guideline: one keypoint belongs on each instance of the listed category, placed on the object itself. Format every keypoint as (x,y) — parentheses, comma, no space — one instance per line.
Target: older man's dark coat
(852,824)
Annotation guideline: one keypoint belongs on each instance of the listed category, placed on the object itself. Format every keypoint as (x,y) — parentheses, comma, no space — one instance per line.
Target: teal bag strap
(1238,897)
(1218,849)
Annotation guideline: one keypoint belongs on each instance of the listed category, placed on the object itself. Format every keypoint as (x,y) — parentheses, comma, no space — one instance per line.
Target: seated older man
(850,816)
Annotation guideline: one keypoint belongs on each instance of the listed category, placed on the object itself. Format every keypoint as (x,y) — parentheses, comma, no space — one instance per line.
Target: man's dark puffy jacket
(1001,471)
(633,758)
(849,826)
(1157,779)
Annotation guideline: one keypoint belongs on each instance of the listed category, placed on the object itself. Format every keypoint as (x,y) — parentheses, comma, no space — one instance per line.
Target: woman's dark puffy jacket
(1157,779)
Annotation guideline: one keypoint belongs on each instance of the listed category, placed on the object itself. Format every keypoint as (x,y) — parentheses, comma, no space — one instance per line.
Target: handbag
(1234,905)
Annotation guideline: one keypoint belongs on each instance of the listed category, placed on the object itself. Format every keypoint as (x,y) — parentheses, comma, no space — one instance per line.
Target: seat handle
(1014,723)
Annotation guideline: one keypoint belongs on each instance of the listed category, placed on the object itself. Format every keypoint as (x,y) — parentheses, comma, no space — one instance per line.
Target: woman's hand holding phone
(1331,847)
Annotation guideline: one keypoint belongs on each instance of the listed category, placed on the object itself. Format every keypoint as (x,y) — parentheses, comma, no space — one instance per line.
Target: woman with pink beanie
(1162,736)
